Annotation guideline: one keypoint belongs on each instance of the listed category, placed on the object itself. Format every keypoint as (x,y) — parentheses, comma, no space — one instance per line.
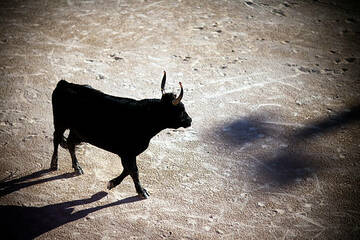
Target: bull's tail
(59,112)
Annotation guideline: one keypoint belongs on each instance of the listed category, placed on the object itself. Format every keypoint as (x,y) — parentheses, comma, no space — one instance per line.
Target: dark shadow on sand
(332,123)
(21,222)
(245,130)
(287,165)
(8,187)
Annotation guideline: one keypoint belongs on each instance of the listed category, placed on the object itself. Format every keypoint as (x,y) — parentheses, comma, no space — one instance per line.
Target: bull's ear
(168,98)
(163,84)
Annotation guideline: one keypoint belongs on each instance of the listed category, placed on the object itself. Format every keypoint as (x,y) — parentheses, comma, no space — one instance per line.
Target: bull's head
(175,110)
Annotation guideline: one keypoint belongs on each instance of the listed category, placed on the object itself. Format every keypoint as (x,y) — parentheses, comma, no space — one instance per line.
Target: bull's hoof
(53,167)
(78,170)
(144,194)
(110,185)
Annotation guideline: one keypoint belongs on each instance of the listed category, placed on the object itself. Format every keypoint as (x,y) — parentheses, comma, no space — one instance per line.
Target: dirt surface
(273,88)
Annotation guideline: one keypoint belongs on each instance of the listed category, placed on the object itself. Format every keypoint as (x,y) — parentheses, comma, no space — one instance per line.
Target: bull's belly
(120,143)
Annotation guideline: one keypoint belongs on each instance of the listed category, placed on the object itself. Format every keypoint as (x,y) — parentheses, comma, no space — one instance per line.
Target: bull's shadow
(7,187)
(20,222)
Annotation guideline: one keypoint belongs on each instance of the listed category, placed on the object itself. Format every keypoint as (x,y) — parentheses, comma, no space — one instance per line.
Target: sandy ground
(273,88)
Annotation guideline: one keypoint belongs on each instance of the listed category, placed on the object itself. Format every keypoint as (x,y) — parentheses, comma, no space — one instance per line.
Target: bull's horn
(178,100)
(163,83)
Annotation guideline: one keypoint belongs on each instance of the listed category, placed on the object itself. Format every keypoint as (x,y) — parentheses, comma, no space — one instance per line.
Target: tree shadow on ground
(286,168)
(246,130)
(329,124)
(317,162)
(286,165)
(8,187)
(21,222)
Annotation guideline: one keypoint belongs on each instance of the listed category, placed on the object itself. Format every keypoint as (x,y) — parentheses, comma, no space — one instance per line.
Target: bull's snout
(187,122)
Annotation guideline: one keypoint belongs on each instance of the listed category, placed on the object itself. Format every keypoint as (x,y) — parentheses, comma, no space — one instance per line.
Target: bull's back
(95,117)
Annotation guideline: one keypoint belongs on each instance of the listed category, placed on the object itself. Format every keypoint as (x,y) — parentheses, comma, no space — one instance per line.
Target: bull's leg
(139,189)
(130,168)
(58,134)
(116,181)
(134,173)
(72,141)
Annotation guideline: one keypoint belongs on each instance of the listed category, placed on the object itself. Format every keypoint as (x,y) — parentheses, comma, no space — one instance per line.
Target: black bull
(119,125)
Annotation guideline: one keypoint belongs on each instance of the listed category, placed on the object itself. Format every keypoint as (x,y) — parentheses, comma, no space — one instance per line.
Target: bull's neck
(154,120)
(154,129)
